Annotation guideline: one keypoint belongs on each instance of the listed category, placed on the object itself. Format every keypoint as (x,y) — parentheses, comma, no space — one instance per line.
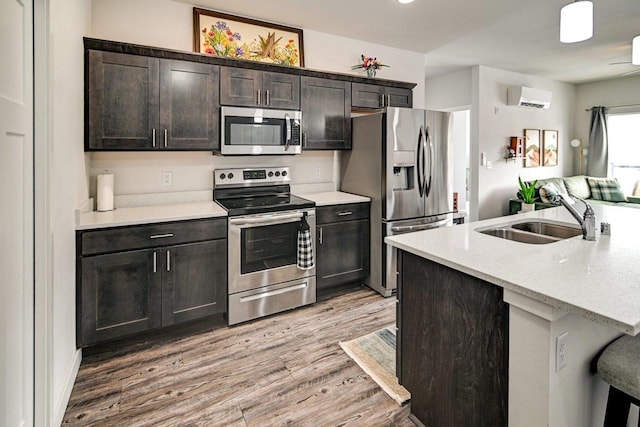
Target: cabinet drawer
(336,213)
(153,235)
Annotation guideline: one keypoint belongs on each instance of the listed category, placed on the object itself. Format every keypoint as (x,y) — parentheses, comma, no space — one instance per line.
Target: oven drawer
(272,299)
(345,212)
(152,235)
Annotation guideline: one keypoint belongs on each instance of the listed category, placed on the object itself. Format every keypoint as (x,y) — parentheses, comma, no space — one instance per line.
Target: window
(624,151)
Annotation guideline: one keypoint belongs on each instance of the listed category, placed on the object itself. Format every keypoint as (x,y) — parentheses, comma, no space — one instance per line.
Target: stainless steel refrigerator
(400,159)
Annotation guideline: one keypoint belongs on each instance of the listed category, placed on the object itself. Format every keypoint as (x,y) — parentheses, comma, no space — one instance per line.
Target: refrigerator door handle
(420,161)
(427,181)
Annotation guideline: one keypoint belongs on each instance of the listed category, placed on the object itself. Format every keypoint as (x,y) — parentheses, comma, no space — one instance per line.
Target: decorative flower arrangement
(219,40)
(369,64)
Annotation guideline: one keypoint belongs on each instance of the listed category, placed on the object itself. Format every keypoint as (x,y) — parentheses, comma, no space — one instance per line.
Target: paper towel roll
(105,192)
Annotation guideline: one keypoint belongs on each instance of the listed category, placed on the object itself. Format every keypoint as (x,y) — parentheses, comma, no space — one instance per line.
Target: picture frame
(550,147)
(532,148)
(224,35)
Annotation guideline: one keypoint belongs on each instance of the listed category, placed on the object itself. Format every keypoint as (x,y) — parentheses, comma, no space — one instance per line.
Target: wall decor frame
(550,147)
(221,34)
(532,148)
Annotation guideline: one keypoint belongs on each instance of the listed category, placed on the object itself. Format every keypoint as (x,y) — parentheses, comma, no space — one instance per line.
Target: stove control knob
(270,174)
(277,173)
(284,173)
(230,175)
(222,176)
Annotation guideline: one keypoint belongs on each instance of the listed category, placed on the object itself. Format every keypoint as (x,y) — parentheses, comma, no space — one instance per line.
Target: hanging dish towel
(305,246)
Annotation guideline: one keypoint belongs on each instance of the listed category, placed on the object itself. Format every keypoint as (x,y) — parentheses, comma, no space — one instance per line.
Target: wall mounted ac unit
(528,97)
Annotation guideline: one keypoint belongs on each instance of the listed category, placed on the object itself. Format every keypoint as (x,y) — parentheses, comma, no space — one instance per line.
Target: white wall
(119,20)
(449,92)
(69,22)
(493,122)
(608,93)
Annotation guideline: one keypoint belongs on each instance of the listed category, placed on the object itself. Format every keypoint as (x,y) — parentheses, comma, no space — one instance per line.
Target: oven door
(259,131)
(263,249)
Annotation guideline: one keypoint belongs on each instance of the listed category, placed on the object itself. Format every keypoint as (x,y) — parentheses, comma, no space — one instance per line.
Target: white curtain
(598,158)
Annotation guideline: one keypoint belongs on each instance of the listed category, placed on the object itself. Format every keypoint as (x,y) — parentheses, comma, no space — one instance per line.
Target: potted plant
(528,195)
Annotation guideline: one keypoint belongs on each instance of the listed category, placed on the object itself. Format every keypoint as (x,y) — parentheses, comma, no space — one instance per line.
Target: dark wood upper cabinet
(326,114)
(143,103)
(123,100)
(189,106)
(253,88)
(374,96)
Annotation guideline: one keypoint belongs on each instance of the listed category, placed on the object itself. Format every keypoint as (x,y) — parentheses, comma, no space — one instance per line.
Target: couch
(595,190)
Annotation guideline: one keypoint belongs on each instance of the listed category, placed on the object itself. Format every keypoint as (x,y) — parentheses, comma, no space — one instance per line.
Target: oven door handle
(265,220)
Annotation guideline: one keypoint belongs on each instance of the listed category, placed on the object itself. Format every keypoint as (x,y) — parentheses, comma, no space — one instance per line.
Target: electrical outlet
(318,173)
(167,178)
(562,350)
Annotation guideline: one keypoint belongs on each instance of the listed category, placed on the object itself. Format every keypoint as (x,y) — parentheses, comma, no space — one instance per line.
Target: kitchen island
(590,290)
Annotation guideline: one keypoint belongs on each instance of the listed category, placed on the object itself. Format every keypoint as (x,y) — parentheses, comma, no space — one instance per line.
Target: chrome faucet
(587,221)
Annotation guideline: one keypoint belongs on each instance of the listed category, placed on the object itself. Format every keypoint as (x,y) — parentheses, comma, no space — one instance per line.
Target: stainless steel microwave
(256,131)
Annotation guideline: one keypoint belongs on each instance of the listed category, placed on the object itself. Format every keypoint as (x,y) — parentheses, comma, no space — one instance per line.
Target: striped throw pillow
(607,189)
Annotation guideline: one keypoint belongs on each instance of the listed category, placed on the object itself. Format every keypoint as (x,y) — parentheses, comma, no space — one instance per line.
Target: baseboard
(63,401)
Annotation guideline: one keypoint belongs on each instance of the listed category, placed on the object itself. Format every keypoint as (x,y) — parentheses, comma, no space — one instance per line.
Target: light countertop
(150,214)
(597,280)
(328,198)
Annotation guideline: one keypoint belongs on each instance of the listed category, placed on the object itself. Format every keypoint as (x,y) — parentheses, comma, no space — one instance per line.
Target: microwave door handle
(287,120)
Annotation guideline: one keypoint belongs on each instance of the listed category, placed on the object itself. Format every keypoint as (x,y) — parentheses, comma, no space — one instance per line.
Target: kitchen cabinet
(143,103)
(326,114)
(452,345)
(342,244)
(254,88)
(133,279)
(375,96)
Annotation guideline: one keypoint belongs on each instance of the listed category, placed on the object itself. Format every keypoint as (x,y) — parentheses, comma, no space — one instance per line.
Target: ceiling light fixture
(576,21)
(405,1)
(635,53)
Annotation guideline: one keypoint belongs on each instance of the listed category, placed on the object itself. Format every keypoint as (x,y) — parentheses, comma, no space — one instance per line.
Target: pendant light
(635,54)
(576,21)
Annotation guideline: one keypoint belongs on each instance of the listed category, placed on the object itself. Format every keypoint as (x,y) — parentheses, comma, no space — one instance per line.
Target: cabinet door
(398,97)
(281,90)
(120,295)
(188,106)
(123,100)
(194,281)
(366,95)
(240,87)
(343,252)
(326,114)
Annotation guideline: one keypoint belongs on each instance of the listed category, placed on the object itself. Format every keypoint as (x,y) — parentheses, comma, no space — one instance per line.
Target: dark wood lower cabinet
(452,345)
(134,279)
(189,281)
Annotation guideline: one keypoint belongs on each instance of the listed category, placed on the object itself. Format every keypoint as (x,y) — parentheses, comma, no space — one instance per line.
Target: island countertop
(597,280)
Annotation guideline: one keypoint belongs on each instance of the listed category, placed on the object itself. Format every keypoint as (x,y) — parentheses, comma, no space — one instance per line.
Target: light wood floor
(286,369)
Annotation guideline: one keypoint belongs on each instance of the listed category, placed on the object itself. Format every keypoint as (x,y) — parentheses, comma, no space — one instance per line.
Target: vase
(528,207)
(371,72)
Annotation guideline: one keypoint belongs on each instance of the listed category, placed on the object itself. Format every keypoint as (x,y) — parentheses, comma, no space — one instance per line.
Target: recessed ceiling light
(405,1)
(576,22)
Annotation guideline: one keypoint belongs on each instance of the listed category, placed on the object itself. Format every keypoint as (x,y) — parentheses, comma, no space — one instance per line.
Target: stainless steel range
(264,219)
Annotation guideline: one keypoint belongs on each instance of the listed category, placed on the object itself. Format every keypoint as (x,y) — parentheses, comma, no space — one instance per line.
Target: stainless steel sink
(548,229)
(533,232)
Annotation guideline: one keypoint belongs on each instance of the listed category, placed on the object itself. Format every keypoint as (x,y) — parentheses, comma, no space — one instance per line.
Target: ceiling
(516,35)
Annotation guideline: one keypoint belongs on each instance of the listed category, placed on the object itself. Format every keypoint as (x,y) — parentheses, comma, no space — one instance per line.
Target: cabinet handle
(259,96)
(165,138)
(320,235)
(304,139)
(155,262)
(153,137)
(382,100)
(388,100)
(161,236)
(268,98)
(168,260)
(345,213)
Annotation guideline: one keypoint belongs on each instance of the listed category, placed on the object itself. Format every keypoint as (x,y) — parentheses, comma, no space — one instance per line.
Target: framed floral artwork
(550,147)
(220,34)
(532,148)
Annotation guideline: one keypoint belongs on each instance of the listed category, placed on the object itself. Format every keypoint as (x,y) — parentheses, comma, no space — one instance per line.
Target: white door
(16,213)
